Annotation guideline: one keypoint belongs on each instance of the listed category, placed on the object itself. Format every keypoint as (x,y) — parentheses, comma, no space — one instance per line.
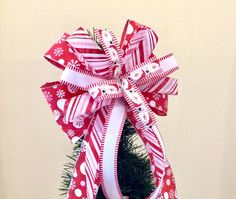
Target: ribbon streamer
(100,87)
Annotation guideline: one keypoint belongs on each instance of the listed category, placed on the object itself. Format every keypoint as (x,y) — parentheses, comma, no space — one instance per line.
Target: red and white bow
(100,87)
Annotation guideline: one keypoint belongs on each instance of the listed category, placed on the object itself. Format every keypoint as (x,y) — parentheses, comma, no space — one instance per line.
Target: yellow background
(199,130)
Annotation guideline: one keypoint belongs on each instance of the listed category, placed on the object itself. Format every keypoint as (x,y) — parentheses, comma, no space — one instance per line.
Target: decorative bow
(103,83)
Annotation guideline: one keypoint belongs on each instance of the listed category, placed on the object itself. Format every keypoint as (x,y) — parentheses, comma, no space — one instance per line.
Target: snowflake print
(60,93)
(48,96)
(73,63)
(71,133)
(58,51)
(172,194)
(78,123)
(83,146)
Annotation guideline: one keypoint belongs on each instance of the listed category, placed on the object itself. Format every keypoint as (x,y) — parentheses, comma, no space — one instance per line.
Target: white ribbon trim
(168,63)
(79,79)
(112,138)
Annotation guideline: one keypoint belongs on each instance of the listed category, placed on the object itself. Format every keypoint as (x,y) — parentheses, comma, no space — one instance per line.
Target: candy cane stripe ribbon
(101,85)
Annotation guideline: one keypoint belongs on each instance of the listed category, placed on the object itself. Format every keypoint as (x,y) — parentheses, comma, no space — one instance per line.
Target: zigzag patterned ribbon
(99,88)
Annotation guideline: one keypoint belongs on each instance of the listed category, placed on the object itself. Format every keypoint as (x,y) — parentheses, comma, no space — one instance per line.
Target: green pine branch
(66,174)
(93,35)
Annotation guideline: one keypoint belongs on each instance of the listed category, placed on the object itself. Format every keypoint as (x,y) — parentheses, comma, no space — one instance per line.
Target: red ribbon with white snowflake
(101,85)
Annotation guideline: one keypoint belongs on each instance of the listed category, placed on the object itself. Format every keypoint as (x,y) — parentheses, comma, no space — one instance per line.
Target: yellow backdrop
(199,130)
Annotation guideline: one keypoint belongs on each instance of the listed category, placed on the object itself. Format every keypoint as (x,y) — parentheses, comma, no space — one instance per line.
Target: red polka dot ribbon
(104,82)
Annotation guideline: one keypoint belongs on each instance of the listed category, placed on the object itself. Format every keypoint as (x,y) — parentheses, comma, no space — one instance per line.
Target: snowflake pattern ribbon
(101,85)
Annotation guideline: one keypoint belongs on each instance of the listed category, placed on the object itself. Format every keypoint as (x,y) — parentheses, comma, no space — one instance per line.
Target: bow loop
(167,85)
(90,54)
(57,95)
(156,94)
(82,106)
(61,54)
(157,69)
(157,102)
(137,42)
(79,78)
(112,49)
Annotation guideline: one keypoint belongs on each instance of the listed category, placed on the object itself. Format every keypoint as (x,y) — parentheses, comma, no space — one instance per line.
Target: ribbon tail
(111,139)
(155,149)
(169,185)
(85,178)
(93,152)
(162,173)
(77,188)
